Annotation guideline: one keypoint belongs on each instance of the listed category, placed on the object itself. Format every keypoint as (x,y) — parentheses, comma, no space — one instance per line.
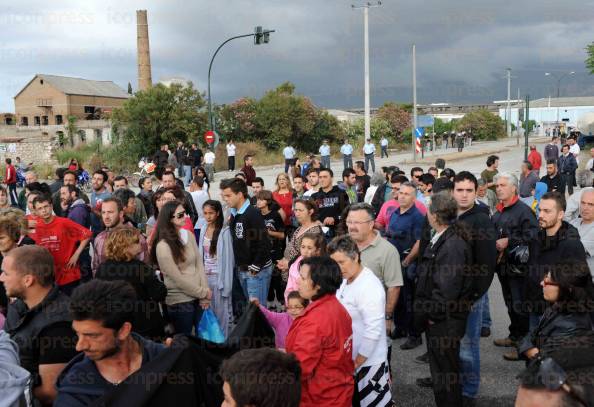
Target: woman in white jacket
(363,296)
(215,248)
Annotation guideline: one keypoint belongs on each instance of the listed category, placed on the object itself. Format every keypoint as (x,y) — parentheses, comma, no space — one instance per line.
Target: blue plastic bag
(209,328)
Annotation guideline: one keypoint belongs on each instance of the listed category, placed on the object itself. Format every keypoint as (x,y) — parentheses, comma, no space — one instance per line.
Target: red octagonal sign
(209,136)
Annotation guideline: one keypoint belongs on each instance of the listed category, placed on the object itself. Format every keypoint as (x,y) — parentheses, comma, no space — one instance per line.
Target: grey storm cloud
(463,47)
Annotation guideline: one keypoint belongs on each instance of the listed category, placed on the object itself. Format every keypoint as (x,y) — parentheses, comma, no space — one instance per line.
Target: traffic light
(258,36)
(266,37)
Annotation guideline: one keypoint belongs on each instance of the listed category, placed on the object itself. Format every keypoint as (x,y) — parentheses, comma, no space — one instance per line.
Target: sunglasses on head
(179,215)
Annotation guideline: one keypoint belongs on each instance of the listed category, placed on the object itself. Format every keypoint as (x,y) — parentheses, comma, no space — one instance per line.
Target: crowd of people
(94,286)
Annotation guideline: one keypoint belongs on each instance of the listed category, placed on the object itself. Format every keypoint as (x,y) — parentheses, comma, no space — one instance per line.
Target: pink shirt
(293,281)
(389,207)
(280,322)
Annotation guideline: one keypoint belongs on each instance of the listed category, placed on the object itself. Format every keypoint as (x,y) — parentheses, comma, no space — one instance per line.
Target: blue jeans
(256,286)
(470,356)
(185,316)
(187,175)
(370,162)
(486,312)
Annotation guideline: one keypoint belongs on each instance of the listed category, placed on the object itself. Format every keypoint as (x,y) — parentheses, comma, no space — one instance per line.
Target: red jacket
(322,341)
(250,174)
(535,159)
(10,175)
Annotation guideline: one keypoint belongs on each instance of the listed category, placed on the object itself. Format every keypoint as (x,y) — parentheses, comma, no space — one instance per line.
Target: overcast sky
(463,47)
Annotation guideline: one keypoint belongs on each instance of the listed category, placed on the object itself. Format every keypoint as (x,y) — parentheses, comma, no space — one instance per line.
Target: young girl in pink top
(312,244)
(281,321)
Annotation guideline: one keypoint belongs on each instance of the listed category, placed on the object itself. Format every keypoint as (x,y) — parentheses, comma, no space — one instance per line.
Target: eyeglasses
(179,215)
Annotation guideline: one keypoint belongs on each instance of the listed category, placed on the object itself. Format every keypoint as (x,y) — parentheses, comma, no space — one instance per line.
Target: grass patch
(82,153)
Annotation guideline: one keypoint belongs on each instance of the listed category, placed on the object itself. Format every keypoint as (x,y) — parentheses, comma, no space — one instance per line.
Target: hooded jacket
(80,383)
(331,204)
(80,213)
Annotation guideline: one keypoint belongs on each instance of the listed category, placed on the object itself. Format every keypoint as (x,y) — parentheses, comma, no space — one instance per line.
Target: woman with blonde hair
(283,195)
(121,248)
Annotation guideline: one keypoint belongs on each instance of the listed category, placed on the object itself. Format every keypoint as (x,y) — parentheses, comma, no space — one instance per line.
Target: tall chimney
(144,54)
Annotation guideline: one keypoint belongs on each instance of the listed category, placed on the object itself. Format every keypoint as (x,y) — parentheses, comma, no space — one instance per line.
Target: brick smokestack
(144,54)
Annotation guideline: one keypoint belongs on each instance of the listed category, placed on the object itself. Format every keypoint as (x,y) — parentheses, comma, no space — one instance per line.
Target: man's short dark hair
(120,178)
(448,173)
(71,189)
(168,173)
(297,176)
(36,261)
(528,164)
(415,169)
(328,170)
(552,161)
(141,181)
(263,377)
(60,172)
(259,180)
(247,157)
(491,160)
(347,172)
(360,165)
(124,196)
(466,176)
(110,302)
(68,172)
(8,161)
(116,200)
(236,185)
(103,174)
(427,179)
(312,169)
(565,145)
(41,199)
(559,199)
(324,273)
(442,184)
(397,178)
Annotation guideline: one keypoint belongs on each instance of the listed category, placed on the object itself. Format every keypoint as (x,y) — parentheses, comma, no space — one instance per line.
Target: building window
(89,109)
(44,120)
(36,121)
(24,121)
(59,119)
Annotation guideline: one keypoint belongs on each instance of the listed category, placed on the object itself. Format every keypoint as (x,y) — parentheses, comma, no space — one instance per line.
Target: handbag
(209,329)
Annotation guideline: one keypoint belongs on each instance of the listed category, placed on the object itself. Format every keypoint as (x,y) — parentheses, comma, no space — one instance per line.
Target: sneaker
(485,332)
(512,356)
(424,358)
(411,343)
(425,382)
(505,342)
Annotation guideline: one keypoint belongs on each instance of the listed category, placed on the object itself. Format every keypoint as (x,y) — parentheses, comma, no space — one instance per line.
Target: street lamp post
(558,78)
(260,36)
(366,8)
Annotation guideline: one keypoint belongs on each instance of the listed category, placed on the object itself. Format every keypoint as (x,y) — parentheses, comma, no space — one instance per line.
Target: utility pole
(508,124)
(527,122)
(366,8)
(518,119)
(414,85)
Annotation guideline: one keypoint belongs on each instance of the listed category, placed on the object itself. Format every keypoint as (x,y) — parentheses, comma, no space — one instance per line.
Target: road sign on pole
(425,121)
(419,132)
(210,136)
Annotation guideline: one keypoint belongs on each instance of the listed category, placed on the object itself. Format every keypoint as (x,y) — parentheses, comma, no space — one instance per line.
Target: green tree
(379,127)
(282,117)
(129,88)
(483,125)
(71,129)
(158,115)
(590,58)
(442,126)
(327,127)
(398,118)
(238,120)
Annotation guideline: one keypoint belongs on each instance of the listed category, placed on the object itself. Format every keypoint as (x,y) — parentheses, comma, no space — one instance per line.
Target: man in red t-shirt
(61,237)
(11,181)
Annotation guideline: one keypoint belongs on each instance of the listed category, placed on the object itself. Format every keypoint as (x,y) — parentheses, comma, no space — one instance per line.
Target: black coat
(443,286)
(557,183)
(149,321)
(567,164)
(555,329)
(482,243)
(518,223)
(563,250)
